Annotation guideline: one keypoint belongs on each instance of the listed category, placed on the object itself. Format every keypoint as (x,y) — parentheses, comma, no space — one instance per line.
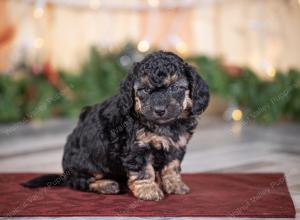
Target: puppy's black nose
(159,110)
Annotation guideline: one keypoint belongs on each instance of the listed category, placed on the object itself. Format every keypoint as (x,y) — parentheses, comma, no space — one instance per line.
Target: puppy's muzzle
(160,111)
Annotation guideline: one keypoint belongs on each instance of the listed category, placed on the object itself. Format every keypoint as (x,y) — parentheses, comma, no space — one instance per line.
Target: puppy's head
(162,88)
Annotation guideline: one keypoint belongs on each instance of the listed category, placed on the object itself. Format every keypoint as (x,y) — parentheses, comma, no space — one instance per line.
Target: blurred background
(57,56)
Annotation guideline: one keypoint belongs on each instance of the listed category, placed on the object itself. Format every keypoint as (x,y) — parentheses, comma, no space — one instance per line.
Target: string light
(125,60)
(181,47)
(143,46)
(178,44)
(39,43)
(268,69)
(237,114)
(94,4)
(153,3)
(271,71)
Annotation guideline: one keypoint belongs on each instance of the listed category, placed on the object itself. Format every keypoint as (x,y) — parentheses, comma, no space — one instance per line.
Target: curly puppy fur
(139,136)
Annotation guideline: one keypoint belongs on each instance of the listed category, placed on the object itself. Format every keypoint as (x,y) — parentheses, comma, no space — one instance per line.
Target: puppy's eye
(174,88)
(145,90)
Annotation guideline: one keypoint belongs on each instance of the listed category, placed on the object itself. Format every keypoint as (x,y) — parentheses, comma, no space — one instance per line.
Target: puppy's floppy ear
(126,95)
(199,90)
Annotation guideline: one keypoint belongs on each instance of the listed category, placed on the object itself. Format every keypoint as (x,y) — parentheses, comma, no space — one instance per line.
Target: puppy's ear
(126,95)
(199,90)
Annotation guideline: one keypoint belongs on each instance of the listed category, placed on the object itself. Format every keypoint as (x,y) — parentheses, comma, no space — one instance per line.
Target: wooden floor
(217,146)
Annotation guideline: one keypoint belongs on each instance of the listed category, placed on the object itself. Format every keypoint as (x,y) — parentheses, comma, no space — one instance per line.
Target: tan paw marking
(105,186)
(174,186)
(147,190)
(171,179)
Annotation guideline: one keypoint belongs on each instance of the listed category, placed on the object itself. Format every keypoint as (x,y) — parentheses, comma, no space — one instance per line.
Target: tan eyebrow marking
(145,80)
(169,79)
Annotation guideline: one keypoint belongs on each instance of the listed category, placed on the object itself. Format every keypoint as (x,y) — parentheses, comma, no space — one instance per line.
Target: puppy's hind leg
(78,181)
(104,186)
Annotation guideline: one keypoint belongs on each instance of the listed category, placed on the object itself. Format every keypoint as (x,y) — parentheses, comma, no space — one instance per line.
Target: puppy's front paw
(147,191)
(174,186)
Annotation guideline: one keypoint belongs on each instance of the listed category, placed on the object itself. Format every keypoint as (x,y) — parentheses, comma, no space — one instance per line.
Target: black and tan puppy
(138,136)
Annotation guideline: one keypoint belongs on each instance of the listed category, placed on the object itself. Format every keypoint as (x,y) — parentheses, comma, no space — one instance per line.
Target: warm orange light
(271,71)
(237,115)
(143,46)
(181,47)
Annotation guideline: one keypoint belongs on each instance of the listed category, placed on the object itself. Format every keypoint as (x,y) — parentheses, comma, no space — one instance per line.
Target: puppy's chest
(163,141)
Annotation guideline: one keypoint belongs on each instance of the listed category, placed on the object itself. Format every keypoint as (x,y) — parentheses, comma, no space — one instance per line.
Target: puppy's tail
(45,180)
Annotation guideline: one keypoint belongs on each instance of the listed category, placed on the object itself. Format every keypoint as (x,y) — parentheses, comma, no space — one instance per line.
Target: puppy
(138,137)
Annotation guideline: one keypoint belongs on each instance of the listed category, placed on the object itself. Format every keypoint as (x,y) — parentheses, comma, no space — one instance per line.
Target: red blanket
(226,195)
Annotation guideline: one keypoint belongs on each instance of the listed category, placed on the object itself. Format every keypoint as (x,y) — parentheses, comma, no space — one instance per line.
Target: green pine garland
(29,96)
(262,101)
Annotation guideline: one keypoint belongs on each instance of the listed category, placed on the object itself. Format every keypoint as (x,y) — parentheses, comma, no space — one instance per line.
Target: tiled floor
(217,146)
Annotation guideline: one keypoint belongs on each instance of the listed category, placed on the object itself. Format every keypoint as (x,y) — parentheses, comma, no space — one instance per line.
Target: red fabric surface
(226,195)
